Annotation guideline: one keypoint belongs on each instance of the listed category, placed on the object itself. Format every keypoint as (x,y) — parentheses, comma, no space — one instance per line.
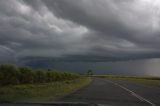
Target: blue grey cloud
(79,30)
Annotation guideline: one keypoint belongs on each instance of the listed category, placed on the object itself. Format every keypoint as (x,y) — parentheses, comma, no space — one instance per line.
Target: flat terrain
(119,93)
(39,93)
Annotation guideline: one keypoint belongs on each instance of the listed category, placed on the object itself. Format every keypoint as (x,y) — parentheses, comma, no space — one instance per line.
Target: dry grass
(41,92)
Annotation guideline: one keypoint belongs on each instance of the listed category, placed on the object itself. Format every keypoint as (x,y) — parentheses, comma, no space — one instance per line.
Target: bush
(26,75)
(9,74)
(40,76)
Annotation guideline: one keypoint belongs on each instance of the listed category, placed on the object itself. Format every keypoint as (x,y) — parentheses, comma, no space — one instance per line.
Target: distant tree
(48,69)
(40,76)
(57,76)
(49,76)
(89,72)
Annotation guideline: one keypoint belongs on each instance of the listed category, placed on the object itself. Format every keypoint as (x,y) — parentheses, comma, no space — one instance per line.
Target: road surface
(116,93)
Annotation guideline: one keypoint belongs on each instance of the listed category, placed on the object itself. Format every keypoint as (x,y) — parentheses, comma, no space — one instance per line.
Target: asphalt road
(116,93)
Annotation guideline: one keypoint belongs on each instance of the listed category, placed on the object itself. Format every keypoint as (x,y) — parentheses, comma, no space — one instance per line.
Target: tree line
(13,75)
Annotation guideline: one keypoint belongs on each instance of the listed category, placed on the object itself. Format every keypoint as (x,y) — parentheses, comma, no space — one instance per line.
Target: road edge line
(133,93)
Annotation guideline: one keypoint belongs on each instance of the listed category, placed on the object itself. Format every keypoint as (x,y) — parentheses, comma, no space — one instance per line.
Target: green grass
(142,81)
(47,92)
(154,81)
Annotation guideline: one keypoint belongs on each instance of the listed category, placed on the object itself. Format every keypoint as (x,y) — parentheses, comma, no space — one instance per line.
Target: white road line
(132,93)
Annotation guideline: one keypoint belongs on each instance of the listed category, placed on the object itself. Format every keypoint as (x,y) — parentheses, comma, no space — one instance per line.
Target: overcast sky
(79,31)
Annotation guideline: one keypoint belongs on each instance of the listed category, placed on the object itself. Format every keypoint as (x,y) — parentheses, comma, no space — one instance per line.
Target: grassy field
(154,81)
(46,92)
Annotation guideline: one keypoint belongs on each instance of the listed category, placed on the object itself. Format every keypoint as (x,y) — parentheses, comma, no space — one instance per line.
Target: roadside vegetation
(155,81)
(18,84)
(13,75)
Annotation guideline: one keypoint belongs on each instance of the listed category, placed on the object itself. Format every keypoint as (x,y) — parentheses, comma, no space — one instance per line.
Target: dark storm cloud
(144,67)
(120,19)
(120,22)
(79,30)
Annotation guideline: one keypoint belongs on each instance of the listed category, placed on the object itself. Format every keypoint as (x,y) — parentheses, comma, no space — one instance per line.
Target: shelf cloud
(79,30)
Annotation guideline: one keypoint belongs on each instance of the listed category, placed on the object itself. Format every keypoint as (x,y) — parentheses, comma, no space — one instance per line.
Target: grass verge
(154,81)
(142,81)
(47,92)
